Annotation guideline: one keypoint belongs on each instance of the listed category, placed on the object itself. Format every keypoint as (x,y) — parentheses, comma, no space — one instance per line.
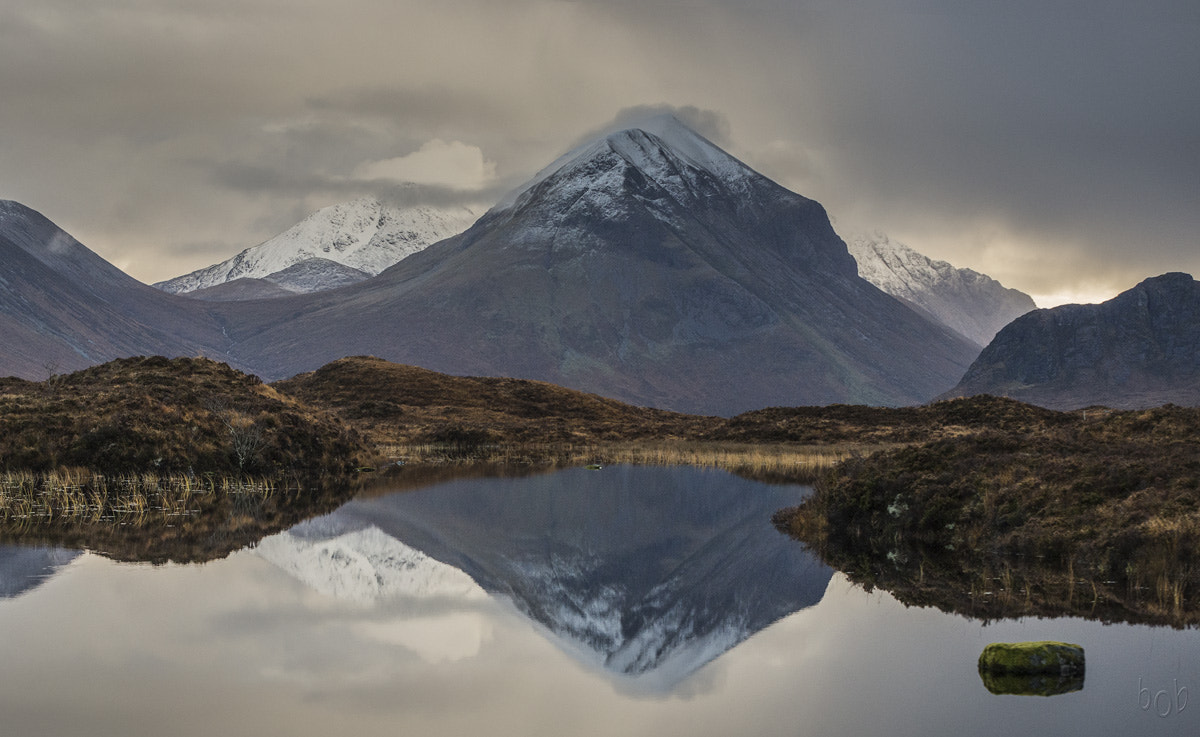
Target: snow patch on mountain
(661,147)
(974,305)
(365,566)
(364,234)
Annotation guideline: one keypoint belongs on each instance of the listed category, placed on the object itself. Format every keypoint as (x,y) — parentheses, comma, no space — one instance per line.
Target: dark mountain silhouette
(1139,349)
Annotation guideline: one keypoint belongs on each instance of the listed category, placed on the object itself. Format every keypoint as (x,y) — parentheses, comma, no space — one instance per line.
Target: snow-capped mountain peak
(363,234)
(693,147)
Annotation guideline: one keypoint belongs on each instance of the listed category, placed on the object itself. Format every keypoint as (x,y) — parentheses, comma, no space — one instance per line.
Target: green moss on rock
(1032,658)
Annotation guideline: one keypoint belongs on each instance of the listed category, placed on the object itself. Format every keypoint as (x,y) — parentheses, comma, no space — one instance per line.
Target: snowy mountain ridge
(363,234)
(972,304)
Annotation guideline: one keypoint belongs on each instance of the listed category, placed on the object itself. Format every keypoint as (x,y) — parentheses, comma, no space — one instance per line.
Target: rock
(1032,658)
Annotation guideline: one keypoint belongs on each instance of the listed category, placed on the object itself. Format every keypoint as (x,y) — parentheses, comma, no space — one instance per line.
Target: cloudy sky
(1054,144)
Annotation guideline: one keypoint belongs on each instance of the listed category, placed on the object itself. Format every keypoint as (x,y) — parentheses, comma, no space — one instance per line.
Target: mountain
(62,307)
(364,235)
(972,304)
(316,274)
(647,265)
(646,572)
(1139,349)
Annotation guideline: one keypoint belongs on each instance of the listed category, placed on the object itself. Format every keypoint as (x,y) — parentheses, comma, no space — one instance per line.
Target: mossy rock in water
(1039,684)
(1032,658)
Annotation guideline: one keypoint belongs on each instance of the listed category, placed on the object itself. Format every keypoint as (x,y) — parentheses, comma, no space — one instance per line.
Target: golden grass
(80,495)
(776,461)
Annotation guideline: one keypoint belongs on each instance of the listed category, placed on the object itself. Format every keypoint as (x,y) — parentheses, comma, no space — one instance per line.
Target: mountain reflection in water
(24,569)
(647,572)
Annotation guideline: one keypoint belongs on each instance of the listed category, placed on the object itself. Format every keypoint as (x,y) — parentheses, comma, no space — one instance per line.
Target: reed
(80,495)
(781,461)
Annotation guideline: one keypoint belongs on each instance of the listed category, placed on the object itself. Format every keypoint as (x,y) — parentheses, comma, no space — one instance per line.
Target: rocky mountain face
(648,266)
(334,246)
(63,308)
(1139,349)
(972,304)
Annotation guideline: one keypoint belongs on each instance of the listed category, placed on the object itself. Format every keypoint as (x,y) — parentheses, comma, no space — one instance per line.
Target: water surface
(624,601)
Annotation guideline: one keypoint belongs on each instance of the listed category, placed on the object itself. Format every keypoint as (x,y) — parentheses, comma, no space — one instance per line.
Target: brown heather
(183,416)
(396,404)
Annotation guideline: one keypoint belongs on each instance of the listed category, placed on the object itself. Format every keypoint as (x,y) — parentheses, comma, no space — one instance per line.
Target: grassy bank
(156,459)
(1099,501)
(79,495)
(154,518)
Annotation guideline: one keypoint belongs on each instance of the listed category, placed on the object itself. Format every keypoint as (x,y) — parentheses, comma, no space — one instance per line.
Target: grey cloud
(1073,134)
(711,124)
(251,179)
(428,109)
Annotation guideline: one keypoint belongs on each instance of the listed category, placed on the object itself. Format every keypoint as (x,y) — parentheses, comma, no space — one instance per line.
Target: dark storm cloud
(1071,134)
(1054,144)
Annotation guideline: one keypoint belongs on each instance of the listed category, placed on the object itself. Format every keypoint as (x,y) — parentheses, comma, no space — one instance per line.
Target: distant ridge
(972,304)
(362,237)
(1139,349)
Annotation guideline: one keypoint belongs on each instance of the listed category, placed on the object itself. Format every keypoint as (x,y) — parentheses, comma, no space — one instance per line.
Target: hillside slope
(62,307)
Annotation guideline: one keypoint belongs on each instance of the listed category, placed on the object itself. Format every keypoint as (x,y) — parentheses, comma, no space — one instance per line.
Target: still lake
(626,601)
